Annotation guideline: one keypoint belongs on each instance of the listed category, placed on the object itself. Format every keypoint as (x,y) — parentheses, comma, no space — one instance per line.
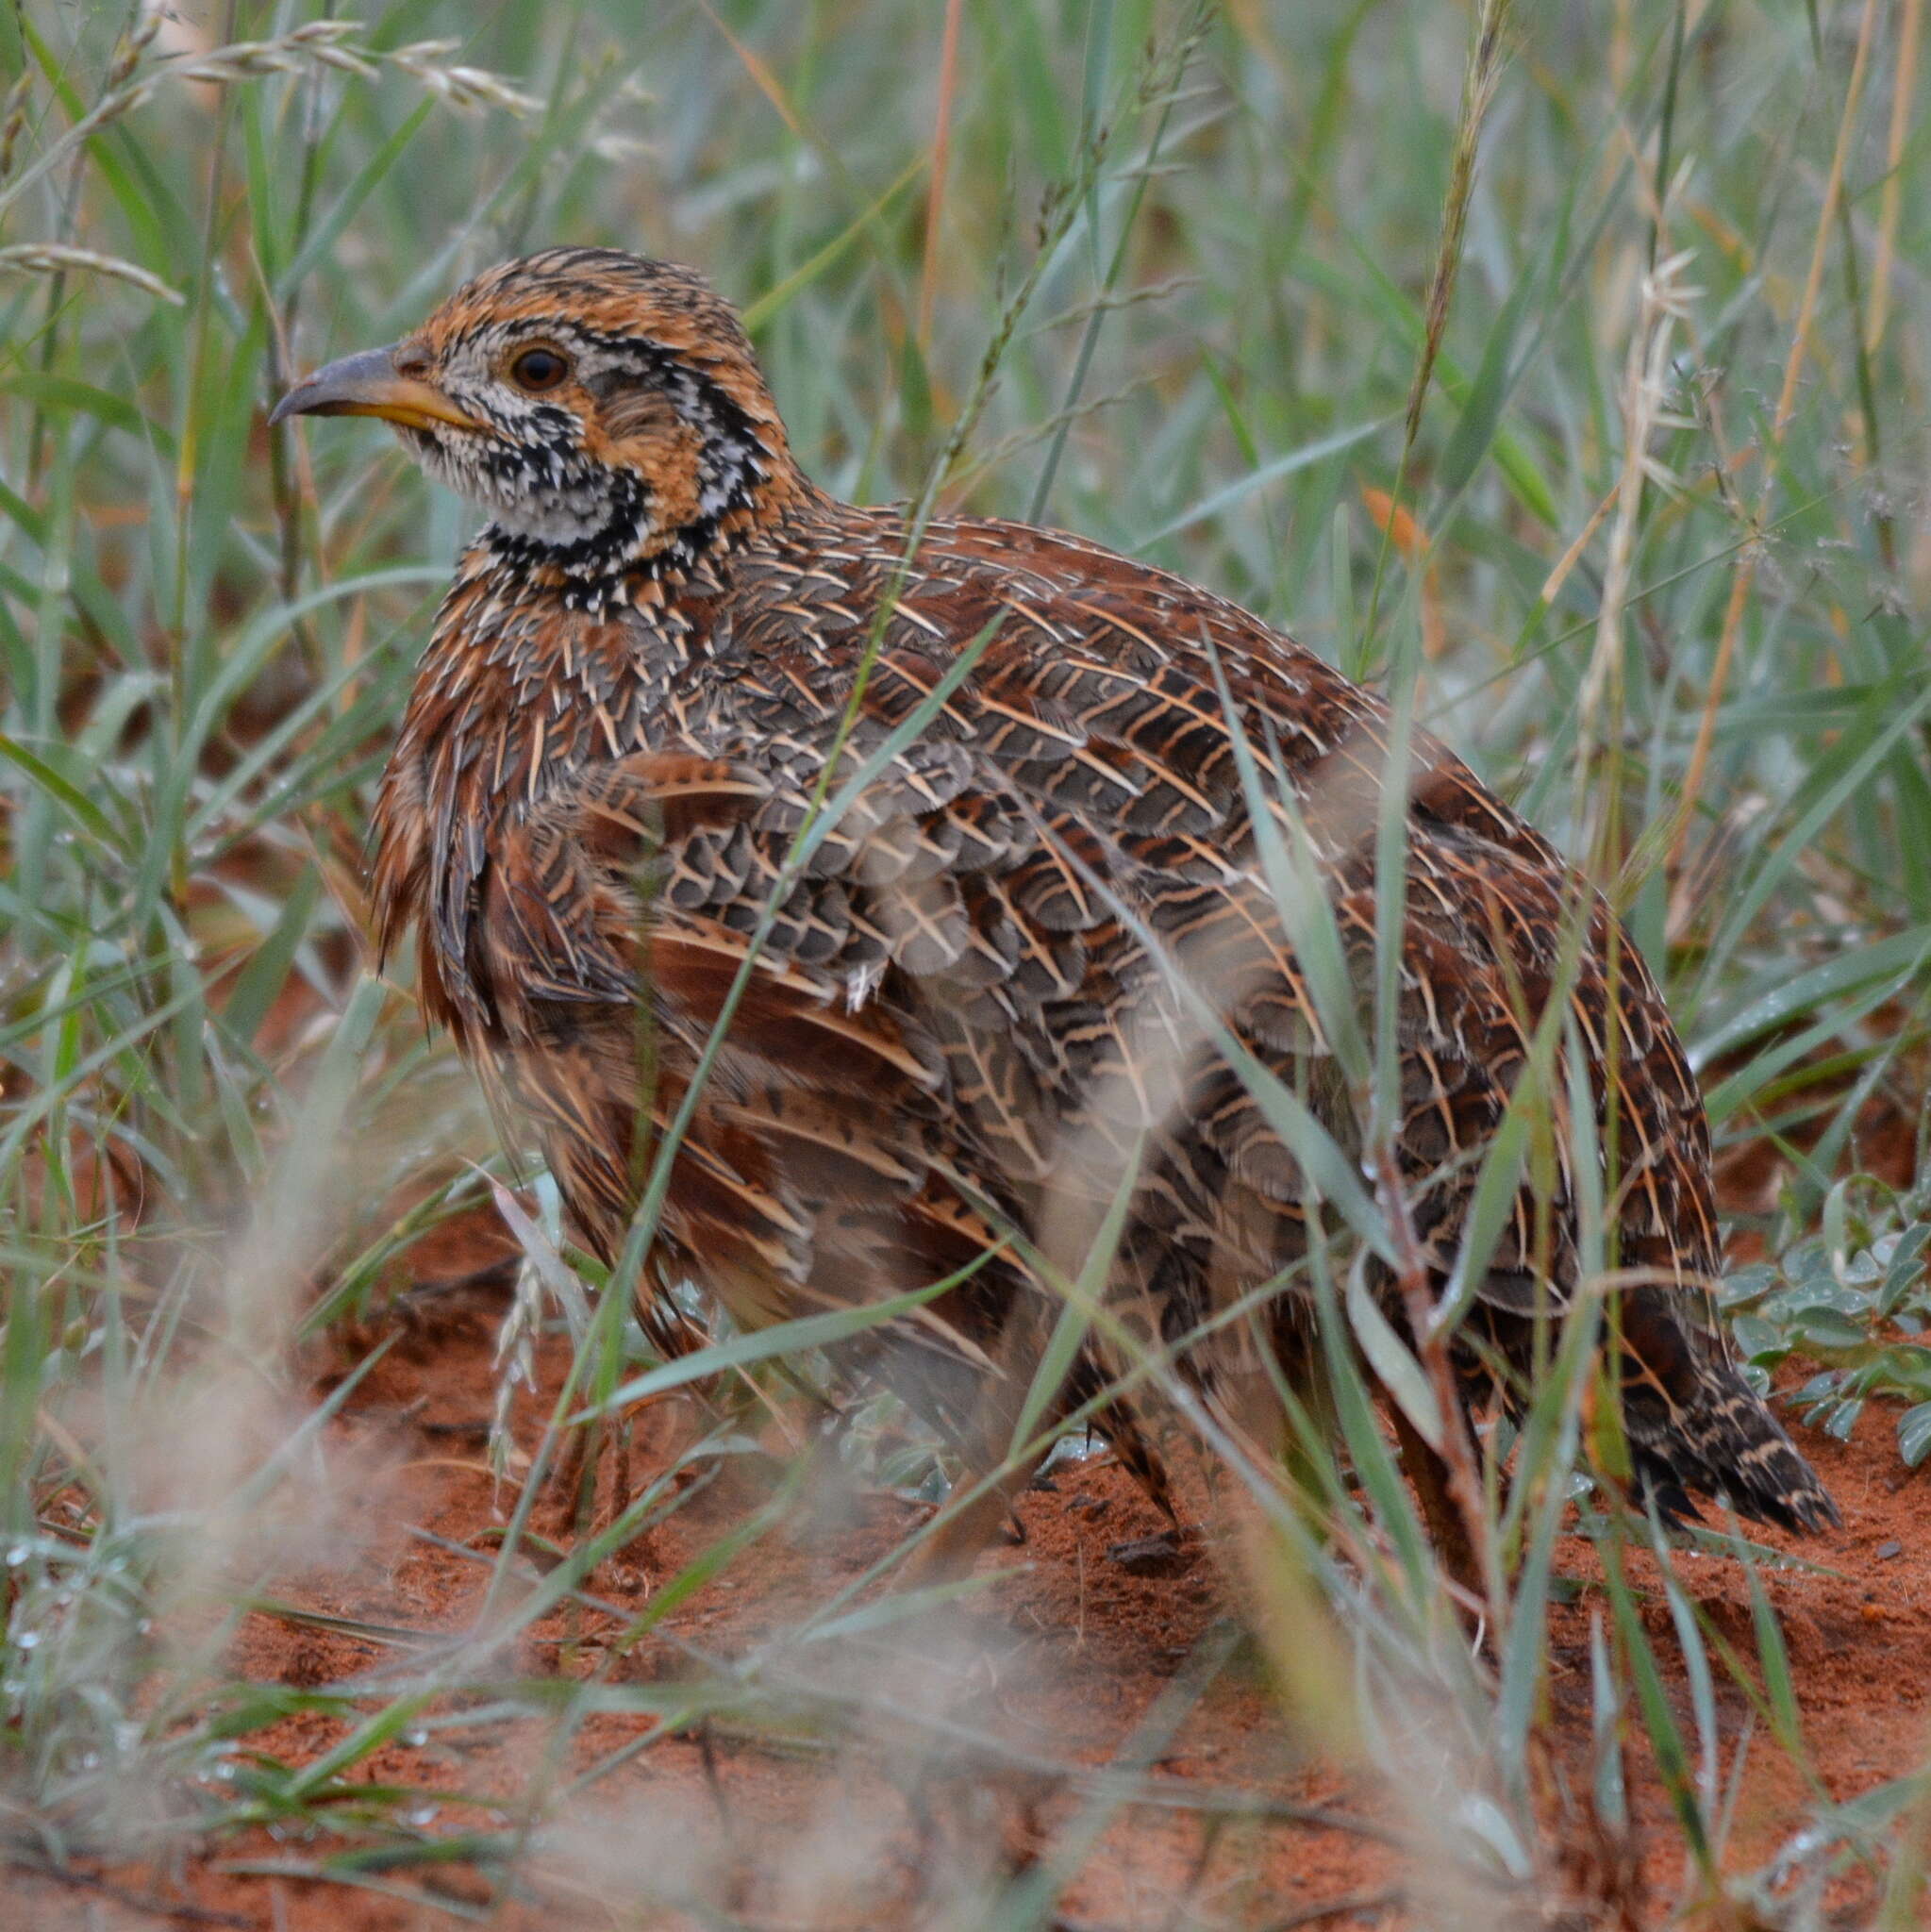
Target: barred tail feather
(1723,1443)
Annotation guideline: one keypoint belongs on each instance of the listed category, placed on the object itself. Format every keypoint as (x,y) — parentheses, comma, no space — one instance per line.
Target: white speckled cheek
(441,461)
(530,488)
(570,514)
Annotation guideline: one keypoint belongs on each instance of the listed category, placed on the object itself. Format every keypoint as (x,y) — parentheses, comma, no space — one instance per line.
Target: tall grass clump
(1562,370)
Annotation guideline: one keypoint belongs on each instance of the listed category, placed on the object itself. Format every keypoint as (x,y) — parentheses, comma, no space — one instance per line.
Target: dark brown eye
(537,369)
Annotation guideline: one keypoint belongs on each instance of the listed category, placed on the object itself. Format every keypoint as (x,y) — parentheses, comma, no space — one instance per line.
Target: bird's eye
(537,369)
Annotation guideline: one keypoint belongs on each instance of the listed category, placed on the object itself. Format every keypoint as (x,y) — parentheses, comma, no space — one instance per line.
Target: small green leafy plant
(1856,1299)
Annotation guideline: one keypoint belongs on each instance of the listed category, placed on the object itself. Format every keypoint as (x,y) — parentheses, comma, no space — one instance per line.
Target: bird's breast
(516,702)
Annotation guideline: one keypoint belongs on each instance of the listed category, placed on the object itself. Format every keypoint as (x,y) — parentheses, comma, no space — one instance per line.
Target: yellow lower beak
(369,385)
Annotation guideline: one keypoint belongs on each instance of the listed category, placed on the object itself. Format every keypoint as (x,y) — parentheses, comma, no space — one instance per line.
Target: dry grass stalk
(1747,558)
(1479,80)
(1903,96)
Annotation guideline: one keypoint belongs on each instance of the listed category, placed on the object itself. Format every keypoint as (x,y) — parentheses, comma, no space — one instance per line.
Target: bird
(984,909)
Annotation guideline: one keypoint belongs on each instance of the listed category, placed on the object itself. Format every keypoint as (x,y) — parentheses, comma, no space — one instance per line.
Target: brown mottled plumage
(963,1024)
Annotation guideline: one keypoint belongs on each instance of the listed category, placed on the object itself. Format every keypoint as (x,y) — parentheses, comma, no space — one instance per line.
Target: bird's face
(606,411)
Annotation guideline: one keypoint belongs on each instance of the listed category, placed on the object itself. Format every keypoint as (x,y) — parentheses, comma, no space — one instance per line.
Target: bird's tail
(1718,1439)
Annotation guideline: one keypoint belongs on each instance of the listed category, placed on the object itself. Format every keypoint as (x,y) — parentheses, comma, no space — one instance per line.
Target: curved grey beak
(370,385)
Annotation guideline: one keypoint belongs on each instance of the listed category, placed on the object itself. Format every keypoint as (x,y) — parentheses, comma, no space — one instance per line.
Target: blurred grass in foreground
(1654,556)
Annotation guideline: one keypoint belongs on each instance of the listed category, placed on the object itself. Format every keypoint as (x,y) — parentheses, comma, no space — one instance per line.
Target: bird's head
(605,410)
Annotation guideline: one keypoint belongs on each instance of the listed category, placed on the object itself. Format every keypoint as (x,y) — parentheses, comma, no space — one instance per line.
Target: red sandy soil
(1060,1660)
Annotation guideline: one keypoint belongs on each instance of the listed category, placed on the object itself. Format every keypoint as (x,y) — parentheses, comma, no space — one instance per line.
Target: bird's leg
(951,1549)
(1428,1473)
(989,1466)
(572,1481)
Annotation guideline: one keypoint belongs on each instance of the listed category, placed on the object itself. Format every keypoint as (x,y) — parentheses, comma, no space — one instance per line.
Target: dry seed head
(132,45)
(321,41)
(56,257)
(465,88)
(13,121)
